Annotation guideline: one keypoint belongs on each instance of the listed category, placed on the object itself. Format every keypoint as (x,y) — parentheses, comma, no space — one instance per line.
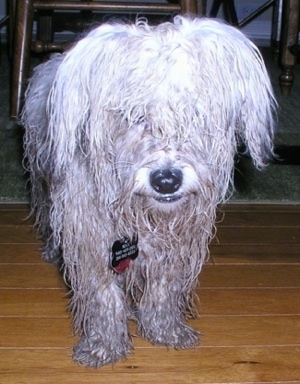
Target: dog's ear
(68,100)
(237,91)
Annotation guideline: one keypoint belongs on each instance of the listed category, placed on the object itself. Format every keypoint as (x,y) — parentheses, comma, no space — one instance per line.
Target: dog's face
(166,172)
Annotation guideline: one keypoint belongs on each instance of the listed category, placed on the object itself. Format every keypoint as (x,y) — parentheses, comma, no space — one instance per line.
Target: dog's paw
(178,335)
(95,353)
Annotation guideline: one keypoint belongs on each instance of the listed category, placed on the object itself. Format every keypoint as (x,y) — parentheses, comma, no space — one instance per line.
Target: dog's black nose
(166,181)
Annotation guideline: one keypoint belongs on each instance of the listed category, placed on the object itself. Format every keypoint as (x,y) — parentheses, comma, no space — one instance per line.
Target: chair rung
(107,7)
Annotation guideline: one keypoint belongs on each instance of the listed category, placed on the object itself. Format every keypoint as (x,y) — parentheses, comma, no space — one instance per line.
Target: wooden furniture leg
(23,43)
(21,54)
(290,29)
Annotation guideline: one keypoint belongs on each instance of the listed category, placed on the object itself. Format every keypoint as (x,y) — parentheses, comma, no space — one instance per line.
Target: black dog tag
(123,252)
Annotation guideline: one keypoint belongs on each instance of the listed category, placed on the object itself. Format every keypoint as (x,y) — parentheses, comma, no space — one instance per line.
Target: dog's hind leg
(41,207)
(51,252)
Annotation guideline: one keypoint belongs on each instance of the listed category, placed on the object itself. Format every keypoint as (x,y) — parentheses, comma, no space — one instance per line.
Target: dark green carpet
(278,183)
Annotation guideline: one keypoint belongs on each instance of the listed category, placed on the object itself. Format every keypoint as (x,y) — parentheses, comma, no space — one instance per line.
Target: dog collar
(124,251)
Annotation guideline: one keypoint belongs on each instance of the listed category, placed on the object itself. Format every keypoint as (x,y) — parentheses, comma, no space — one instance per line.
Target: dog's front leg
(102,315)
(161,319)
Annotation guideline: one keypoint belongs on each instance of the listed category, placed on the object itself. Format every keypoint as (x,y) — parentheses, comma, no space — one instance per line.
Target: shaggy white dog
(130,139)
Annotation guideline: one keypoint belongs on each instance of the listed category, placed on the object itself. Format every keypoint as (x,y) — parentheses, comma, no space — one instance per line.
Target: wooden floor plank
(249,309)
(20,253)
(9,206)
(16,217)
(221,331)
(258,235)
(230,206)
(237,208)
(226,217)
(242,254)
(249,253)
(247,275)
(36,332)
(258,219)
(48,276)
(243,302)
(30,276)
(33,302)
(202,365)
(217,302)
(18,234)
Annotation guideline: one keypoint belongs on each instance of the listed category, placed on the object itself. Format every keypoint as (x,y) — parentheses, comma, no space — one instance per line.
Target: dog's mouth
(167,199)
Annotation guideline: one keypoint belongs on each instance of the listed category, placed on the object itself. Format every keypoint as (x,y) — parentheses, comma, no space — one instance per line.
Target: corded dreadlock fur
(131,134)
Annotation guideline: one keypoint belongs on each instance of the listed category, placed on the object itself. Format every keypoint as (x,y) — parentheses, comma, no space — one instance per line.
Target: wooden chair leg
(23,41)
(45,26)
(188,7)
(290,28)
(201,7)
(276,29)
(11,10)
(21,54)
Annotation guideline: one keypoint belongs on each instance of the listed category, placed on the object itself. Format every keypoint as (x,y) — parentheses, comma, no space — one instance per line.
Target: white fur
(100,120)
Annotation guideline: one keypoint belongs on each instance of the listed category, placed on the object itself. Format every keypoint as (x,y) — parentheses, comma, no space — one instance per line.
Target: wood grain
(249,305)
(152,366)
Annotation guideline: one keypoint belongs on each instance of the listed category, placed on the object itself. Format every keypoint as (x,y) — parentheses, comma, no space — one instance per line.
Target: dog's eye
(142,122)
(137,122)
(142,125)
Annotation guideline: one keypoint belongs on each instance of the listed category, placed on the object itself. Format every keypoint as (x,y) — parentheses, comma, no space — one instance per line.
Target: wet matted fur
(132,134)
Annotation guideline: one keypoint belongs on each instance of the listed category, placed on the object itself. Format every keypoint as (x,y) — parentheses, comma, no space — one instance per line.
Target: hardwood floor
(249,305)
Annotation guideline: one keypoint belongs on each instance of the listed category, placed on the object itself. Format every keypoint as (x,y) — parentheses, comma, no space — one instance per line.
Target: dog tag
(123,252)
